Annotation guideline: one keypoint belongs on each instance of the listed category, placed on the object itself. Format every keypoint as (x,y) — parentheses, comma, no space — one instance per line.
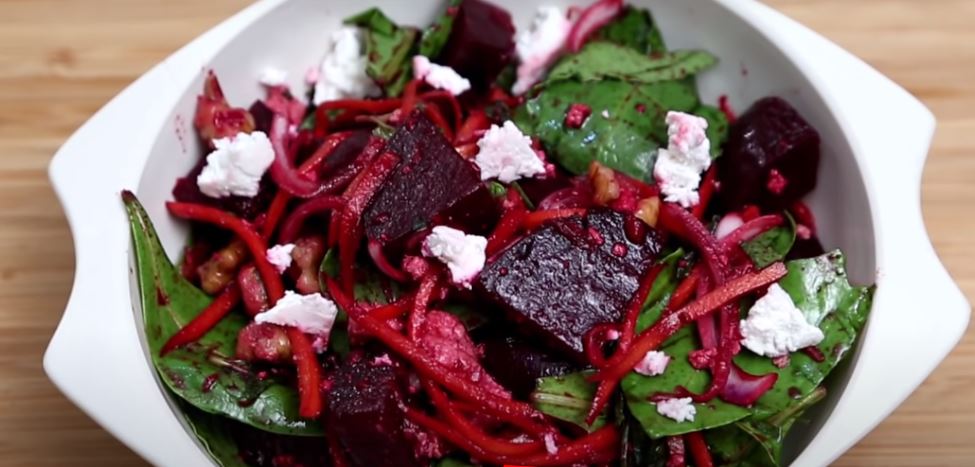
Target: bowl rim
(92,204)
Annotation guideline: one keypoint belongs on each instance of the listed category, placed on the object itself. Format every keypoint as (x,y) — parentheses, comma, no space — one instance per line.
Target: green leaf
(821,291)
(450,462)
(212,432)
(567,398)
(204,373)
(497,189)
(435,37)
(624,131)
(605,60)
(636,29)
(771,246)
(389,49)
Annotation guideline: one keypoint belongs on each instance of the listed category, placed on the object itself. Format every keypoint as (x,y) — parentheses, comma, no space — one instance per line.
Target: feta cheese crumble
(507,154)
(540,45)
(654,363)
(775,327)
(272,77)
(678,409)
(463,254)
(688,154)
(342,74)
(280,256)
(236,166)
(439,76)
(312,314)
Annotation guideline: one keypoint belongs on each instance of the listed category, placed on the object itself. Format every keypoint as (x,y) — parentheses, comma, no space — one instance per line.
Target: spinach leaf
(204,373)
(822,292)
(389,49)
(606,60)
(771,246)
(211,431)
(759,442)
(567,398)
(450,462)
(626,127)
(820,289)
(636,29)
(435,36)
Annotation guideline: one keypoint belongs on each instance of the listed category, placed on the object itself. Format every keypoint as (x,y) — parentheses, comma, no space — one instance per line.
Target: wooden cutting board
(62,60)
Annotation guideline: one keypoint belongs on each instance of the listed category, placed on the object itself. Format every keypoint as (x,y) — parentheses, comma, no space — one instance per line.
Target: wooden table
(62,60)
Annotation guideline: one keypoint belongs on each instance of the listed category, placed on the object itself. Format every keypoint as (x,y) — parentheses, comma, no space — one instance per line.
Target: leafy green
(759,442)
(567,398)
(771,246)
(212,432)
(388,48)
(625,130)
(605,60)
(636,29)
(435,36)
(820,289)
(450,462)
(204,373)
(497,189)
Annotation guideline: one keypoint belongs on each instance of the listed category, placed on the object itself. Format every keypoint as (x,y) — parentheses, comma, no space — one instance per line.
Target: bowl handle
(919,313)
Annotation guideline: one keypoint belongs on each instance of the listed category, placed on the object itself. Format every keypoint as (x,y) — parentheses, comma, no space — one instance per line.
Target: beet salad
(471,244)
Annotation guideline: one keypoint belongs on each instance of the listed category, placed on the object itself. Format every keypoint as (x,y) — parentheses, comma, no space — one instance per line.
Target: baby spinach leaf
(388,48)
(636,29)
(606,60)
(567,398)
(771,246)
(211,431)
(435,36)
(624,131)
(204,373)
(450,462)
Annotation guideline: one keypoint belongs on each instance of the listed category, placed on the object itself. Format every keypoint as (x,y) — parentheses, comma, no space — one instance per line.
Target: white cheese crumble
(236,166)
(280,256)
(463,254)
(312,314)
(507,154)
(775,327)
(654,363)
(272,77)
(688,154)
(678,409)
(342,74)
(439,76)
(538,47)
(550,446)
(728,224)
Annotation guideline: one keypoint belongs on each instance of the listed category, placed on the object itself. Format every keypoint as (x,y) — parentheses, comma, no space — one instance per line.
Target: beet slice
(517,365)
(430,177)
(569,276)
(770,159)
(481,42)
(365,415)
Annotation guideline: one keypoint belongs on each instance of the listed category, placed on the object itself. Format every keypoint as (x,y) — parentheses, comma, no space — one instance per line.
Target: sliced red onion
(752,229)
(728,224)
(572,197)
(379,259)
(744,388)
(590,20)
(284,174)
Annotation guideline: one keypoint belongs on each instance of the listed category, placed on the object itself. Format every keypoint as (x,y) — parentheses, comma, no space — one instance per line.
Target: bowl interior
(292,37)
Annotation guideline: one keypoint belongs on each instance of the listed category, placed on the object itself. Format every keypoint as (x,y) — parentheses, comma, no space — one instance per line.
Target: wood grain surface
(62,60)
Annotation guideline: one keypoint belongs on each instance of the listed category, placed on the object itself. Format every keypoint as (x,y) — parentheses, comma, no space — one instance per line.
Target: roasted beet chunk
(365,415)
(569,276)
(771,157)
(516,364)
(430,177)
(481,42)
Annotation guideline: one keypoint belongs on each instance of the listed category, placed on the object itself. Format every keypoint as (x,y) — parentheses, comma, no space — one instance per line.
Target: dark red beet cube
(517,365)
(771,157)
(481,42)
(365,415)
(569,276)
(430,178)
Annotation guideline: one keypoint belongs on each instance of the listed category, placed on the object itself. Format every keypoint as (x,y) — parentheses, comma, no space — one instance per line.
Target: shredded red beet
(699,449)
(675,449)
(205,321)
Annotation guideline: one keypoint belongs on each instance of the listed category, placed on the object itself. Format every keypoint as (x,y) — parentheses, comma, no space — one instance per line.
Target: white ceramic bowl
(875,139)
